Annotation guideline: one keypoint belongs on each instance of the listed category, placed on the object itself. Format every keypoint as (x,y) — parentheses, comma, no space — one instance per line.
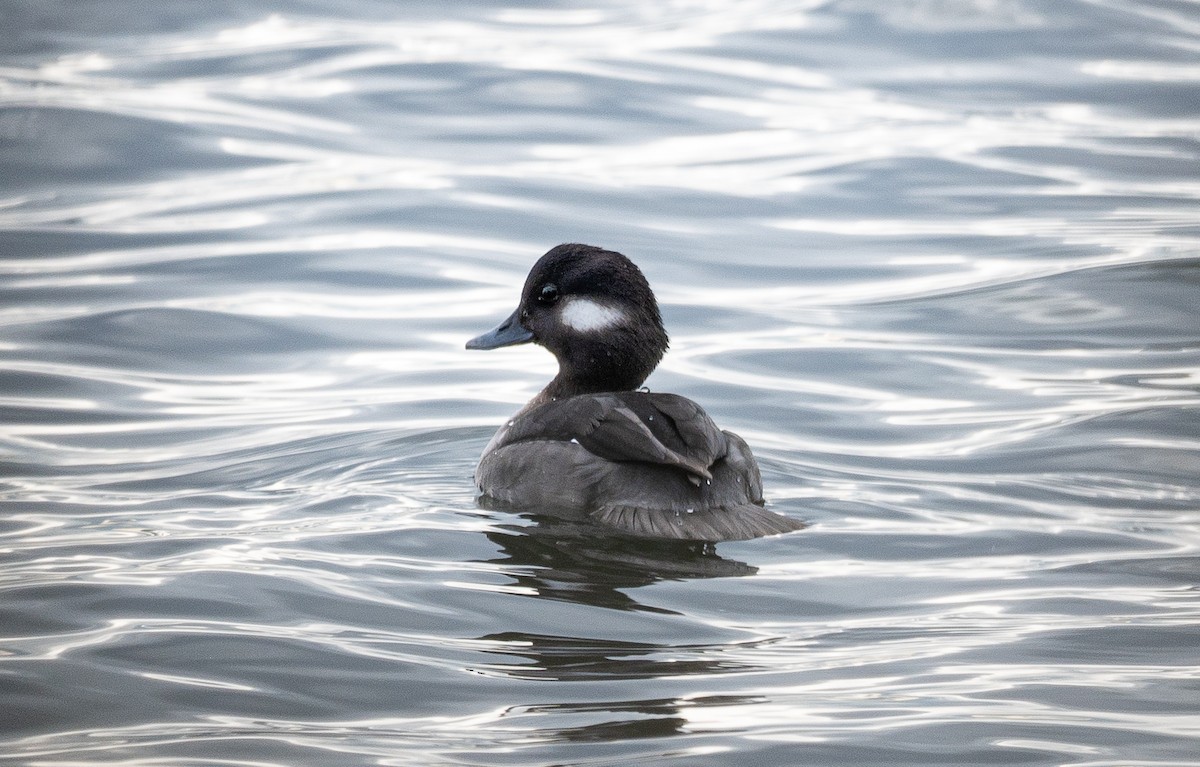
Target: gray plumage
(646,464)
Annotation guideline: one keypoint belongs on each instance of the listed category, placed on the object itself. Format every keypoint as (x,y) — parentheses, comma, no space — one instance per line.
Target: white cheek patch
(587,316)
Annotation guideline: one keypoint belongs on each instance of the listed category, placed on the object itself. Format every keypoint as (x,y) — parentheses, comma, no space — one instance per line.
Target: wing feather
(661,429)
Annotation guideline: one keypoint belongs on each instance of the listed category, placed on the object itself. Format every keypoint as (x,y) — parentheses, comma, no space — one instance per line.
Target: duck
(594,443)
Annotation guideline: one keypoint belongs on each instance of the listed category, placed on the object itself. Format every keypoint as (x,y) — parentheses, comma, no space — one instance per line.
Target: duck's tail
(723,523)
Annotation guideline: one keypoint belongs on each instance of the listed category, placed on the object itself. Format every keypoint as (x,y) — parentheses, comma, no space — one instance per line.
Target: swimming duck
(646,464)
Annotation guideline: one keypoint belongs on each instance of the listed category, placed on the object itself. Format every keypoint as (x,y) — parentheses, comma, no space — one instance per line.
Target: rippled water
(937,260)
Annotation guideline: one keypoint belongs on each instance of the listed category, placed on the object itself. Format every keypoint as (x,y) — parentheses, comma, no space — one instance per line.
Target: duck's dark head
(593,309)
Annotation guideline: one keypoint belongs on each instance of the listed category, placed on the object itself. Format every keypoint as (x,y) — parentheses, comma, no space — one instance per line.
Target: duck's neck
(619,360)
(566,384)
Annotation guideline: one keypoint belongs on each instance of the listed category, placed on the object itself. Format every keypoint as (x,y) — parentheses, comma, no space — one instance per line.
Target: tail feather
(736,523)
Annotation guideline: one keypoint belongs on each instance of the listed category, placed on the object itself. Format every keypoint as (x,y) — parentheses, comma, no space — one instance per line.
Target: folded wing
(661,429)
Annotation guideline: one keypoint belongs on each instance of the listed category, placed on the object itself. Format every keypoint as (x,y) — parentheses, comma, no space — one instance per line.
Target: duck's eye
(548,295)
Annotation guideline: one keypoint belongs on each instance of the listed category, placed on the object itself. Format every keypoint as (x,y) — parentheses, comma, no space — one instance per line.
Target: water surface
(938,262)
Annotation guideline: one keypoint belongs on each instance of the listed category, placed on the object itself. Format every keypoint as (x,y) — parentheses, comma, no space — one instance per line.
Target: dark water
(937,260)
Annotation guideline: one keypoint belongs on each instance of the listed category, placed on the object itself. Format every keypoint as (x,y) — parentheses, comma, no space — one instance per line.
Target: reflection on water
(560,560)
(937,261)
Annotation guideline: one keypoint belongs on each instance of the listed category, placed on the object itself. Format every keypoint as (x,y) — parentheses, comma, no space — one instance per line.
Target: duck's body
(646,464)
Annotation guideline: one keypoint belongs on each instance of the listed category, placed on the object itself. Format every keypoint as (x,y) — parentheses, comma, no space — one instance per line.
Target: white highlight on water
(587,316)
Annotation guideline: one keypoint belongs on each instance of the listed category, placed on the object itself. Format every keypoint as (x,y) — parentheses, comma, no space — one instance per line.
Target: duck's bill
(507,333)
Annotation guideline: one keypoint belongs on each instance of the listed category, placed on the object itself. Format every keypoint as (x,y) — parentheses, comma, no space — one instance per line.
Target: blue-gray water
(937,260)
